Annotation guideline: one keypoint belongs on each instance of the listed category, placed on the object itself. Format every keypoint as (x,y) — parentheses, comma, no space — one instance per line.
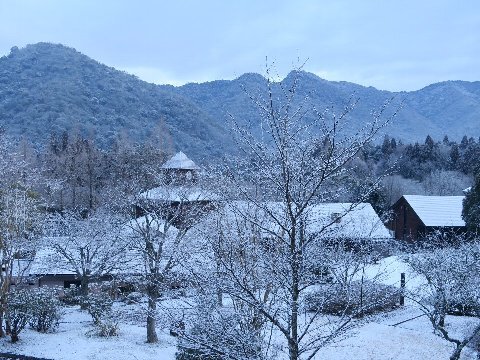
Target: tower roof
(180,161)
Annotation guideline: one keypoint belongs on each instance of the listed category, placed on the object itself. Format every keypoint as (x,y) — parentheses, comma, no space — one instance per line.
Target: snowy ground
(376,340)
(381,338)
(71,341)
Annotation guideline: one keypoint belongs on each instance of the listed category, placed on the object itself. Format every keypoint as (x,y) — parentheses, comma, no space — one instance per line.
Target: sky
(389,44)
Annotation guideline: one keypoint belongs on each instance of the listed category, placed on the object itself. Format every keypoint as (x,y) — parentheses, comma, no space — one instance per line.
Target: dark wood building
(415,216)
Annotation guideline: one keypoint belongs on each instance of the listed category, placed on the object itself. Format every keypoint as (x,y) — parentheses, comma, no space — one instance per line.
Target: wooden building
(180,198)
(416,216)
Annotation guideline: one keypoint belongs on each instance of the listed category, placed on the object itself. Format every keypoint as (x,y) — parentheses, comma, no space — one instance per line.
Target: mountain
(449,108)
(47,88)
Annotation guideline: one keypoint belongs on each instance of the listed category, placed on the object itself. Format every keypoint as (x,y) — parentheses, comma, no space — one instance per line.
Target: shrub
(106,327)
(71,295)
(218,337)
(45,310)
(98,306)
(466,305)
(18,312)
(134,298)
(357,299)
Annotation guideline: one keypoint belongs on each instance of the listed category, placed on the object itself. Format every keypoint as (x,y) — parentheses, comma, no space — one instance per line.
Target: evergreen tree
(454,157)
(471,206)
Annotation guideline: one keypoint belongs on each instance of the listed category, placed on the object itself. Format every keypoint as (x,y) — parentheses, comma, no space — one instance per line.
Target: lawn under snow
(381,338)
(71,341)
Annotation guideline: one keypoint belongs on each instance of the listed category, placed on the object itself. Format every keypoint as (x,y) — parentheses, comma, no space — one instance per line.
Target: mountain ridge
(50,88)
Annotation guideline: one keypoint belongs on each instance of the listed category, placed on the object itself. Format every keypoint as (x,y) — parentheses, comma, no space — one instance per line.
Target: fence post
(402,289)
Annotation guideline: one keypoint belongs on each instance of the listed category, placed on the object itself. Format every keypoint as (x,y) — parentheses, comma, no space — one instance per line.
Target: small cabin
(416,216)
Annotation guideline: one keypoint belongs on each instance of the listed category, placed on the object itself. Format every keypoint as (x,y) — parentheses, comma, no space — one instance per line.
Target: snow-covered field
(71,341)
(378,339)
(381,338)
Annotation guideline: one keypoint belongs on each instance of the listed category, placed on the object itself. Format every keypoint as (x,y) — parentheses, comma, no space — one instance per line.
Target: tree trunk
(2,333)
(293,341)
(441,321)
(84,290)
(14,337)
(456,353)
(460,345)
(151,323)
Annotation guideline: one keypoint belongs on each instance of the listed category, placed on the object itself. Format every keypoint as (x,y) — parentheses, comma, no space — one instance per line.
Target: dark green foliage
(417,161)
(71,296)
(357,299)
(420,160)
(468,307)
(471,206)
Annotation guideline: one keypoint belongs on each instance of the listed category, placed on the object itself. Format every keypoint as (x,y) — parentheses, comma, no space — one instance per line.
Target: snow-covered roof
(180,161)
(20,267)
(347,221)
(327,220)
(437,210)
(139,224)
(179,193)
(48,261)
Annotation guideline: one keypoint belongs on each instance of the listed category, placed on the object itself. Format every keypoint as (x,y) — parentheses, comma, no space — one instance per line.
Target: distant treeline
(75,172)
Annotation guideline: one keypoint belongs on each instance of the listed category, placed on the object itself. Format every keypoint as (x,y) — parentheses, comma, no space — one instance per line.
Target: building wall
(407,226)
(61,281)
(405,223)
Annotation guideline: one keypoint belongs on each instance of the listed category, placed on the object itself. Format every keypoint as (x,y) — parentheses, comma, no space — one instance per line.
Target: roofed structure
(179,197)
(328,221)
(348,221)
(417,215)
(180,170)
(180,161)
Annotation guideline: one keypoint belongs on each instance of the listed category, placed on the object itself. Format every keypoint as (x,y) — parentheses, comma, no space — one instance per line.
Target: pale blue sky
(392,45)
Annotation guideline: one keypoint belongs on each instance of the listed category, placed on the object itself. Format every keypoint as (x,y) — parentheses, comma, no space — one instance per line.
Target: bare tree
(157,245)
(158,236)
(445,183)
(91,246)
(19,219)
(450,287)
(293,159)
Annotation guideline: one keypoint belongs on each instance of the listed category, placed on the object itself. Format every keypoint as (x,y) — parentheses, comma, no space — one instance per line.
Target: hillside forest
(73,172)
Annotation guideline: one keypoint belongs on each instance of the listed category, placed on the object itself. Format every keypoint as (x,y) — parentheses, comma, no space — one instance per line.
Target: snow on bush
(99,306)
(357,299)
(46,310)
(18,312)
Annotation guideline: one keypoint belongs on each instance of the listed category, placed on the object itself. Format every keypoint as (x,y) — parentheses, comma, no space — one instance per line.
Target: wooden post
(402,289)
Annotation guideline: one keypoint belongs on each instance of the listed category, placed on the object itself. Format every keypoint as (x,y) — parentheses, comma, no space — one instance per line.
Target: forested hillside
(47,88)
(450,108)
